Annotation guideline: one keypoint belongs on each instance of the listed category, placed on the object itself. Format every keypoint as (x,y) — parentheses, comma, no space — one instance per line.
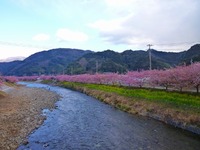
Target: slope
(46,62)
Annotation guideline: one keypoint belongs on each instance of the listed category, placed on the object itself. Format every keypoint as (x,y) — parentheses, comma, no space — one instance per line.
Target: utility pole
(149,45)
(191,61)
(97,66)
(71,70)
(63,71)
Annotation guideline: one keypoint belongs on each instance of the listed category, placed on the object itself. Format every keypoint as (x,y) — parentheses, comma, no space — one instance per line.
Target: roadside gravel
(20,114)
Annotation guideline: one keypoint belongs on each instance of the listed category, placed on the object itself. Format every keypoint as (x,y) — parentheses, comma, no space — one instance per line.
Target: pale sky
(29,26)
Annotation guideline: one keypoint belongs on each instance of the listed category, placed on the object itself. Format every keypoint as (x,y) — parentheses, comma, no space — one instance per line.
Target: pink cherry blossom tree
(194,75)
(11,79)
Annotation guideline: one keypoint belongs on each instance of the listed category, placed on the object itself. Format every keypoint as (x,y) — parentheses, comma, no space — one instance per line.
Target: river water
(81,122)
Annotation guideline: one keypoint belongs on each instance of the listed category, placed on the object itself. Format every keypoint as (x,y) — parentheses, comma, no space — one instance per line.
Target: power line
(169,48)
(177,43)
(155,44)
(22,45)
(149,45)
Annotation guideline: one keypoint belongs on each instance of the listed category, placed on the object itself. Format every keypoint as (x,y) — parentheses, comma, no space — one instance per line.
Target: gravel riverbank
(20,114)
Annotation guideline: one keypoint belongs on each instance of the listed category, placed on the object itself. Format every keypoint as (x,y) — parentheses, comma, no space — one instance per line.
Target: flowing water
(83,123)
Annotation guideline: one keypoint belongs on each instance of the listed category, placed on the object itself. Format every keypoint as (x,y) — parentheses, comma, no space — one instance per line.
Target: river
(80,122)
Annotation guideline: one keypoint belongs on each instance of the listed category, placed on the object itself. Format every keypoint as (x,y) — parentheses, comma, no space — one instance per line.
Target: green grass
(185,101)
(2,94)
(47,81)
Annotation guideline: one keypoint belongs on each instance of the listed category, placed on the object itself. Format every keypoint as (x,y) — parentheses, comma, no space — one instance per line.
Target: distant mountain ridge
(76,61)
(12,59)
(46,62)
(110,61)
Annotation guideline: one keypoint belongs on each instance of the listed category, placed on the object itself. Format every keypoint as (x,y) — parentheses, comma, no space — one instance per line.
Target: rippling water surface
(84,123)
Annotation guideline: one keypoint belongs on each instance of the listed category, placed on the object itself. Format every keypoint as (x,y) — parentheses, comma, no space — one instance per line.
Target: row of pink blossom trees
(1,81)
(11,79)
(179,78)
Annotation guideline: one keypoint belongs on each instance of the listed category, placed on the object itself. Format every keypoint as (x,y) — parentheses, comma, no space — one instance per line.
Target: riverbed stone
(20,114)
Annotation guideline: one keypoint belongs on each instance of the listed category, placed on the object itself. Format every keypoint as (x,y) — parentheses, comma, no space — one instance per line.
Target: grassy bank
(183,101)
(2,94)
(178,109)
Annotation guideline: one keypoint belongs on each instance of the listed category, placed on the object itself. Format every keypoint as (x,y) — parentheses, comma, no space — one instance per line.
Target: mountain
(76,61)
(192,55)
(46,62)
(107,61)
(111,61)
(5,67)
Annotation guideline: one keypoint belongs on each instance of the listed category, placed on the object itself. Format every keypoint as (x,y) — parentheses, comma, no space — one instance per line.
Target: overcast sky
(29,26)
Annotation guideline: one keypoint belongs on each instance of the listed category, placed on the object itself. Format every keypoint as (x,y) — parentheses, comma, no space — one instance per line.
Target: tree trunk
(197,87)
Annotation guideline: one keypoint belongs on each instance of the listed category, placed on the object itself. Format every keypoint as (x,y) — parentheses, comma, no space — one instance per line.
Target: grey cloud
(163,22)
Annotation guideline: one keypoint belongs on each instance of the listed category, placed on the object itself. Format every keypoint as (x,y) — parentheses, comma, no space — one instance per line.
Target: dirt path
(20,113)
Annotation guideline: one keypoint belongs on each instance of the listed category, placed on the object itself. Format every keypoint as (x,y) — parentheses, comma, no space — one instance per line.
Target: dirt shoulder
(20,113)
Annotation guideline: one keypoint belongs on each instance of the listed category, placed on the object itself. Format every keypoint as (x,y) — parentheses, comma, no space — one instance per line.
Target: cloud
(152,21)
(71,36)
(41,37)
(120,7)
(119,31)
(107,25)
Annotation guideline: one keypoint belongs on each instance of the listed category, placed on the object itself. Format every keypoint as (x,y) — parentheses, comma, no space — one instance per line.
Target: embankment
(182,118)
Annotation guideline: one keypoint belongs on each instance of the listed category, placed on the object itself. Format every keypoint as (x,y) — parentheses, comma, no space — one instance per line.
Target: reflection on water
(84,123)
